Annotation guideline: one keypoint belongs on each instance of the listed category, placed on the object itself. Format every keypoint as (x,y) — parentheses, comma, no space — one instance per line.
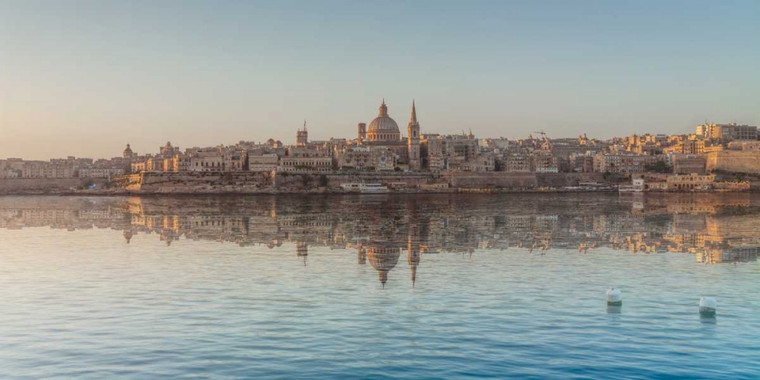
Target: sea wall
(472,180)
(198,182)
(558,180)
(268,182)
(260,182)
(517,181)
(13,186)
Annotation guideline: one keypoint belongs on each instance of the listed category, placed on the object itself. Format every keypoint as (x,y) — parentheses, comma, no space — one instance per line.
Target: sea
(380,286)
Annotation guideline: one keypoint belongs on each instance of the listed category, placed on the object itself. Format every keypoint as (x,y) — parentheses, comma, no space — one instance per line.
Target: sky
(84,78)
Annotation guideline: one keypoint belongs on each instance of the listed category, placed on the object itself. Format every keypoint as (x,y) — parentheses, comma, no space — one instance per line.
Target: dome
(383,124)
(383,128)
(127,153)
(383,259)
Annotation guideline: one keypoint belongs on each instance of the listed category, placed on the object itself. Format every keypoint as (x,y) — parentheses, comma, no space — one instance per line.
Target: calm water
(379,286)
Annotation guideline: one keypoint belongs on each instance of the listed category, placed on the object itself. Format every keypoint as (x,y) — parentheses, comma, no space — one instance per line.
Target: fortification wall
(198,182)
(259,182)
(282,182)
(734,161)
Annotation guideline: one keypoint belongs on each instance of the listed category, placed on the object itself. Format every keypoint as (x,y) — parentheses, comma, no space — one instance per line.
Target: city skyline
(291,140)
(83,81)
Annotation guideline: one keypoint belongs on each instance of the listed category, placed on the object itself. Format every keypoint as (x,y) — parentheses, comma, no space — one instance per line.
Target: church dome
(383,259)
(127,153)
(383,128)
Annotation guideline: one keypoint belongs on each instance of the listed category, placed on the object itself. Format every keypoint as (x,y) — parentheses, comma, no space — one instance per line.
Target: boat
(636,186)
(628,189)
(353,186)
(367,188)
(373,188)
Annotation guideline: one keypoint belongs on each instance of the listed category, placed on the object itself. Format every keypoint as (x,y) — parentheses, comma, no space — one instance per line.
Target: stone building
(728,132)
(687,146)
(233,159)
(545,162)
(155,164)
(483,162)
(180,163)
(43,169)
(450,151)
(366,158)
(137,166)
(518,163)
(263,162)
(623,163)
(690,182)
(99,172)
(688,164)
(306,159)
(206,160)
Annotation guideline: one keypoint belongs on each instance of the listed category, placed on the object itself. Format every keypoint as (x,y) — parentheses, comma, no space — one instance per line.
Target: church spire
(383,109)
(413,140)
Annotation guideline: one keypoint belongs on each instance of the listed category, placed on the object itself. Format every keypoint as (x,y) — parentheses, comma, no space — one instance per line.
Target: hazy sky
(85,77)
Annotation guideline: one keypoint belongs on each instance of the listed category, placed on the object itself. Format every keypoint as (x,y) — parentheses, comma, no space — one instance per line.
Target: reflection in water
(715,228)
(708,320)
(614,309)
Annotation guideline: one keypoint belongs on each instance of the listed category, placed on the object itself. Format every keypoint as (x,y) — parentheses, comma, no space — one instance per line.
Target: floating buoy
(614,297)
(708,306)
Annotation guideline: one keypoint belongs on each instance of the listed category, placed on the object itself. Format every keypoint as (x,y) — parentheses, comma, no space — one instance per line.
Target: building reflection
(715,228)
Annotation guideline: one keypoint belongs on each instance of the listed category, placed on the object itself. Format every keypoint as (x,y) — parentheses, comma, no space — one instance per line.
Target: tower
(362,129)
(361,254)
(413,241)
(413,140)
(302,250)
(302,136)
(413,257)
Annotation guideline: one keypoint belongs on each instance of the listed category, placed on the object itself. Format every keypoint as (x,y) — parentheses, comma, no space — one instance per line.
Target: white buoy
(614,297)
(708,306)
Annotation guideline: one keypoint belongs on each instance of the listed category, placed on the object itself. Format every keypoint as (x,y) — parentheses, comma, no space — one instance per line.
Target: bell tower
(362,129)
(302,136)
(413,140)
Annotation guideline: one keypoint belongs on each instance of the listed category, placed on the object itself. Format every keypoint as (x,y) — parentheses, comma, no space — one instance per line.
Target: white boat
(369,188)
(372,188)
(636,186)
(628,189)
(354,186)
